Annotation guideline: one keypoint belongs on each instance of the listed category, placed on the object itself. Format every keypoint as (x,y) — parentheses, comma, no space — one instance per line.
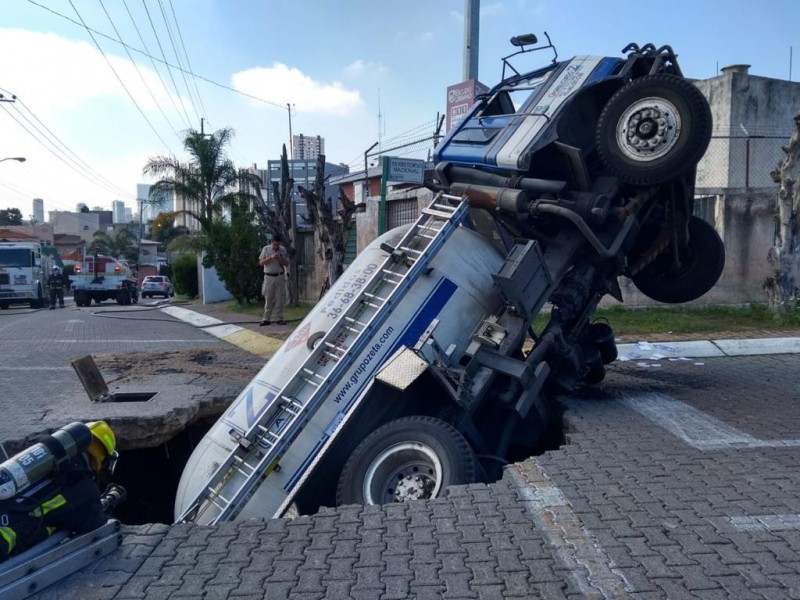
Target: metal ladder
(258,451)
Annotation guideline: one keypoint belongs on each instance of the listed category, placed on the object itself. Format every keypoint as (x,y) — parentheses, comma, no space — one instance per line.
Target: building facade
(307,147)
(118,211)
(38,211)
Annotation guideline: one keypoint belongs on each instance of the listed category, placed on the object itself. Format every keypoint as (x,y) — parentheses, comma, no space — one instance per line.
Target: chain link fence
(739,162)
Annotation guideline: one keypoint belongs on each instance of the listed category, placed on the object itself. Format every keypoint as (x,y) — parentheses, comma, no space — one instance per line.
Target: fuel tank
(457,289)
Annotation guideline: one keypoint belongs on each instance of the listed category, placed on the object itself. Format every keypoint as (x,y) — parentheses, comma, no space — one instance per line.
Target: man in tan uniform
(274,258)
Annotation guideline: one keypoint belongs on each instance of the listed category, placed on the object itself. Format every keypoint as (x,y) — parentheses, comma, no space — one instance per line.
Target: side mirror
(526,39)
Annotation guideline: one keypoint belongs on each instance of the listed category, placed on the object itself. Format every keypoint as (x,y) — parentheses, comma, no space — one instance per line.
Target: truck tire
(79,298)
(124,297)
(3,305)
(702,261)
(411,458)
(653,129)
(39,301)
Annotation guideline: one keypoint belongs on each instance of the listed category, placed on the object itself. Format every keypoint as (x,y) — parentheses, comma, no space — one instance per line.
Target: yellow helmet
(103,446)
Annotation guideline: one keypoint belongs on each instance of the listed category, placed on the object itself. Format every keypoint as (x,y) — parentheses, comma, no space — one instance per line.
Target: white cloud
(282,84)
(360,68)
(492,9)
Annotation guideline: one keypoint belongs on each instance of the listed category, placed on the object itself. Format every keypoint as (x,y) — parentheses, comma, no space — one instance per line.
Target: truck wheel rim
(403,472)
(648,129)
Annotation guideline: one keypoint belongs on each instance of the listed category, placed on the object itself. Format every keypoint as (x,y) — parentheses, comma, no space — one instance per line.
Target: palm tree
(119,244)
(208,182)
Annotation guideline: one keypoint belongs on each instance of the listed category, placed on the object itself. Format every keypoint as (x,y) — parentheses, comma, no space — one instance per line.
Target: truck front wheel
(412,458)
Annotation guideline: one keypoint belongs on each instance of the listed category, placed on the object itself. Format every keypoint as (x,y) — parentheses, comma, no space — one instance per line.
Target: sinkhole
(151,475)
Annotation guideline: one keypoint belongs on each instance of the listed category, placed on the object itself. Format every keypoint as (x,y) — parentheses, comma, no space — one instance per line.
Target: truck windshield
(15,257)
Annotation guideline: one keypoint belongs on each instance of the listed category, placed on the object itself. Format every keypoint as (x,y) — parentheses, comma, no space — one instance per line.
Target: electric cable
(122,83)
(164,56)
(135,66)
(53,152)
(186,54)
(152,61)
(178,58)
(67,150)
(163,61)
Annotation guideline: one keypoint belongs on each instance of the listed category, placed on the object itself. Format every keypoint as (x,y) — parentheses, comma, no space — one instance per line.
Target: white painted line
(222,331)
(695,427)
(27,368)
(697,349)
(590,568)
(756,347)
(191,317)
(82,341)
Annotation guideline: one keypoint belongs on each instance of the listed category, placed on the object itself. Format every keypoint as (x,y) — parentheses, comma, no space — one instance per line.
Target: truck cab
(23,274)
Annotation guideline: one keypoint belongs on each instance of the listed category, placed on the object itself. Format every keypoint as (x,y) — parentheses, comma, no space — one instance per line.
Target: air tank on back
(457,290)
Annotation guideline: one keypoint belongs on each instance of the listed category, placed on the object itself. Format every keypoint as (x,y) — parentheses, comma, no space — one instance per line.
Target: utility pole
(472,14)
(291,150)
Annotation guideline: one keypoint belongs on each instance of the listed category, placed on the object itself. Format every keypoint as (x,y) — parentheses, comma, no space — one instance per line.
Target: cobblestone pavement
(676,481)
(39,390)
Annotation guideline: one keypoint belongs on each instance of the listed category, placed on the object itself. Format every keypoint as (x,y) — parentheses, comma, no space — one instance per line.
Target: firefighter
(68,498)
(56,284)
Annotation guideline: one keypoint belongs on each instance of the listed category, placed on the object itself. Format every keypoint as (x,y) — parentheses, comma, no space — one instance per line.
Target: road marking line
(189,316)
(695,427)
(590,568)
(27,368)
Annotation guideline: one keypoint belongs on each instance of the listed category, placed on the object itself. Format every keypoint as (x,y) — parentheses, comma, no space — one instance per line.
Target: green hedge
(184,275)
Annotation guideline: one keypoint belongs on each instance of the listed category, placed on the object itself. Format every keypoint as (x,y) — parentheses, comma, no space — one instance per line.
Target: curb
(241,337)
(265,346)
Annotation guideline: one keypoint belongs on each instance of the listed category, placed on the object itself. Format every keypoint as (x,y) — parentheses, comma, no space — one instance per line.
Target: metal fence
(740,162)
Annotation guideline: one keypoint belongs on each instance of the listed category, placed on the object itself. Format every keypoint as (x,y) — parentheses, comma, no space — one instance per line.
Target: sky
(88,115)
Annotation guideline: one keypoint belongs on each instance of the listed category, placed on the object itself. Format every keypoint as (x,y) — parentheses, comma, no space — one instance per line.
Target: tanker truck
(422,367)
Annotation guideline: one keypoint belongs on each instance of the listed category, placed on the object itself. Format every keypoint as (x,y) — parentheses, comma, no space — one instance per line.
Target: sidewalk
(243,330)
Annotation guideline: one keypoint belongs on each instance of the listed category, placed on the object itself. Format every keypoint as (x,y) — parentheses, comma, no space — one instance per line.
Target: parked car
(157,285)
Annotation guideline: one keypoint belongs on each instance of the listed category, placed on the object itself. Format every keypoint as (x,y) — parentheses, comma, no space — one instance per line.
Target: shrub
(184,275)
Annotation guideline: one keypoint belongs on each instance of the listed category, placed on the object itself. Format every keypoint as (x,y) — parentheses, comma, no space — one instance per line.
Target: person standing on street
(56,284)
(274,258)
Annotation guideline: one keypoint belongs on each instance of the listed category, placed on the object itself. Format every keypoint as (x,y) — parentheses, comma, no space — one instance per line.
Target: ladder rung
(437,213)
(375,296)
(356,321)
(311,373)
(406,249)
(444,207)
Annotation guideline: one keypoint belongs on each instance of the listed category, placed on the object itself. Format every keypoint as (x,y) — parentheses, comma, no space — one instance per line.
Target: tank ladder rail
(259,450)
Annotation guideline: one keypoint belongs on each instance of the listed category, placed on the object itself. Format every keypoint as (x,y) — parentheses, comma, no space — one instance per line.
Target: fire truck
(23,274)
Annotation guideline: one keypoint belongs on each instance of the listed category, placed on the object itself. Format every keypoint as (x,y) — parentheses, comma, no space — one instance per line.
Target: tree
(782,285)
(331,234)
(10,216)
(235,246)
(208,182)
(277,219)
(163,229)
(119,244)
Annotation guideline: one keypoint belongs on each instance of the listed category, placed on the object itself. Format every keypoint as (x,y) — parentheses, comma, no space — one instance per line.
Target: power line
(162,61)
(152,60)
(164,56)
(29,196)
(62,156)
(122,83)
(135,66)
(186,54)
(178,58)
(81,163)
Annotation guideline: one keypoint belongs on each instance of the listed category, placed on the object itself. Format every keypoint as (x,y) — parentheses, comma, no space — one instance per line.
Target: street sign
(405,170)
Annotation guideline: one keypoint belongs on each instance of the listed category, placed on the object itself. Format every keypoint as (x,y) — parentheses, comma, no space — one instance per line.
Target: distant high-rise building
(38,211)
(118,211)
(128,214)
(306,147)
(81,206)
